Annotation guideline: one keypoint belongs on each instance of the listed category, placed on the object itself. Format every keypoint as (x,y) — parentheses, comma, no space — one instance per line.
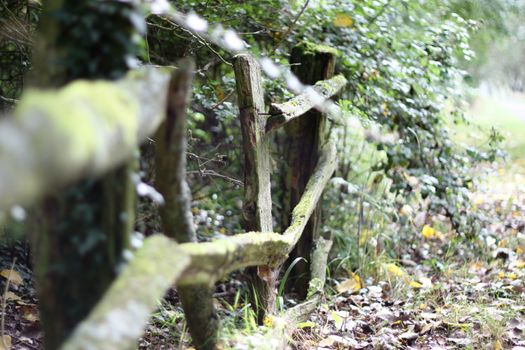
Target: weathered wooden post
(257,205)
(305,136)
(177,220)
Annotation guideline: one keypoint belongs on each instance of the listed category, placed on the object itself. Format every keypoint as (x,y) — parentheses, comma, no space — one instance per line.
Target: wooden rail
(282,113)
(55,137)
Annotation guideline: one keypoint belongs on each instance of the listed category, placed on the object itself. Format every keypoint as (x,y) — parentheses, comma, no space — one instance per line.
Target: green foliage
(101,38)
(17,23)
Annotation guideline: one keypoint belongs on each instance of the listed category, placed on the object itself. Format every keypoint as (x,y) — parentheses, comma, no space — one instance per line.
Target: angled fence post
(257,205)
(305,136)
(177,220)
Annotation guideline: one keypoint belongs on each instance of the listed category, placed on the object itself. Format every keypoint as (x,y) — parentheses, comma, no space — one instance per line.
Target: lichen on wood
(282,113)
(119,318)
(81,130)
(257,204)
(177,219)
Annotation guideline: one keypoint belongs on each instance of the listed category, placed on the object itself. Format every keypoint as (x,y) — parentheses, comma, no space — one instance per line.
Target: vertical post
(257,205)
(305,136)
(83,231)
(177,220)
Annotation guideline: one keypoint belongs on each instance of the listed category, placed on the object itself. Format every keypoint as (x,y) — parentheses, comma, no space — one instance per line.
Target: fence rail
(84,129)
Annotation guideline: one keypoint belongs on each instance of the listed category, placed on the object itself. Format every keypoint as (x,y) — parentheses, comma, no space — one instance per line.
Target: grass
(503,111)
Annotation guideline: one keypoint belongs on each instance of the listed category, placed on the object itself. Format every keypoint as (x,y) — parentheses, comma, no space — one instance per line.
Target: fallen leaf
(326,342)
(428,232)
(497,345)
(31,316)
(395,270)
(352,284)
(14,278)
(12,296)
(5,342)
(415,284)
(409,336)
(307,324)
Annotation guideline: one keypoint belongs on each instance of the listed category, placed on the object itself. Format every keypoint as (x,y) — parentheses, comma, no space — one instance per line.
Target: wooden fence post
(177,220)
(304,138)
(257,205)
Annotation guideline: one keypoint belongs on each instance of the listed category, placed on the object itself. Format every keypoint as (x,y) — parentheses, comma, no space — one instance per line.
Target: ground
(437,300)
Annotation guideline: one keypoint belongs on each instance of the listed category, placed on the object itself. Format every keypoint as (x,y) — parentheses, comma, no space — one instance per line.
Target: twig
(222,101)
(290,27)
(4,305)
(216,174)
(7,99)
(199,38)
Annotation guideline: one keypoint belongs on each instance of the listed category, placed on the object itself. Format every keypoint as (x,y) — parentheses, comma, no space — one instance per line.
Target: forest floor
(446,293)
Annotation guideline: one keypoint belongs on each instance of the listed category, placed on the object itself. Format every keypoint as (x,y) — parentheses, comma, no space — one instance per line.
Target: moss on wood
(84,129)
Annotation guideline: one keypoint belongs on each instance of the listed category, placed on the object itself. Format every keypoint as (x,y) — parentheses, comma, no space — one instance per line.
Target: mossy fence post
(304,138)
(84,230)
(257,204)
(177,220)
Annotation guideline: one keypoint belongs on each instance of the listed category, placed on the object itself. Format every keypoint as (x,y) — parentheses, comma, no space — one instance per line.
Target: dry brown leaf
(30,314)
(353,285)
(5,342)
(12,296)
(15,277)
(326,342)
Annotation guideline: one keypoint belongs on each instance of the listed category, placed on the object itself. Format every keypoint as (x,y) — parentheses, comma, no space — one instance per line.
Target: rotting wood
(89,141)
(177,219)
(304,138)
(282,113)
(257,204)
(161,262)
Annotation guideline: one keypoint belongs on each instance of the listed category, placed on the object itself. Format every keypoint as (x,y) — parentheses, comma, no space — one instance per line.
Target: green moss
(310,48)
(82,113)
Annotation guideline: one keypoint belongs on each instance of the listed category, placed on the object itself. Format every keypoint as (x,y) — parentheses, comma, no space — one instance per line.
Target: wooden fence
(118,319)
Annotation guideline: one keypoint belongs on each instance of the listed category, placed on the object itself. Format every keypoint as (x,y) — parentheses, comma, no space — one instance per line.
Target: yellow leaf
(384,106)
(364,237)
(31,317)
(219,92)
(352,284)
(512,276)
(395,270)
(428,232)
(501,275)
(497,345)
(415,284)
(338,320)
(343,20)
(519,250)
(268,321)
(5,342)
(520,264)
(423,306)
(307,324)
(15,277)
(502,243)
